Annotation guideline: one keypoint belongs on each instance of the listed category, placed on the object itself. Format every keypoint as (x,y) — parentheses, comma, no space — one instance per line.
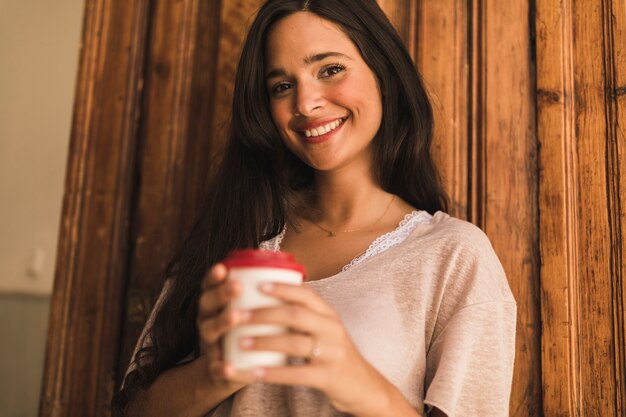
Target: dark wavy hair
(258,182)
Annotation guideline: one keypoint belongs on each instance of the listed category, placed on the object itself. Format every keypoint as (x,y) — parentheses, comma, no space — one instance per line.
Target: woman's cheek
(280,117)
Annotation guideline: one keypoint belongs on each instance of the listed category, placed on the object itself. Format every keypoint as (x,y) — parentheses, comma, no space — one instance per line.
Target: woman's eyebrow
(308,60)
(318,57)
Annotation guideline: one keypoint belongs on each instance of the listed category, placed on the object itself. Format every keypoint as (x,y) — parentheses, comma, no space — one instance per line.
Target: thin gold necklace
(331,233)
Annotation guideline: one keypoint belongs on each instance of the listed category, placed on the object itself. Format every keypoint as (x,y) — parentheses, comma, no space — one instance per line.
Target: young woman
(406,310)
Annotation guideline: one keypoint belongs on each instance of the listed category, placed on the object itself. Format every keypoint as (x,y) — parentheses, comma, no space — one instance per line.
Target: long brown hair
(258,179)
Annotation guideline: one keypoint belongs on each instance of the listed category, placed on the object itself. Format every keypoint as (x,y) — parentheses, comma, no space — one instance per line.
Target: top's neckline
(379,245)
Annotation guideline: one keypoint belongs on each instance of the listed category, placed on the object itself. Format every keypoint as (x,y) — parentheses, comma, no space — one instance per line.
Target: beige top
(431,309)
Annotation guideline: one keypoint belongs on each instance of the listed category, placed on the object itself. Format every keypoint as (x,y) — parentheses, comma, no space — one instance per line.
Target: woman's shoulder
(461,256)
(446,232)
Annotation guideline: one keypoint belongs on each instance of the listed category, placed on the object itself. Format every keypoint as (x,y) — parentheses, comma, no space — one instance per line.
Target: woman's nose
(309,99)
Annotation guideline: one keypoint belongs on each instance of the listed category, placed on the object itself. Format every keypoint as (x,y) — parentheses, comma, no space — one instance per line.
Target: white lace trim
(274,243)
(393,238)
(381,244)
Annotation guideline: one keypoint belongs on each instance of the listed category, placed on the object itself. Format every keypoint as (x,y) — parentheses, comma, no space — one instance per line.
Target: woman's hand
(214,321)
(333,364)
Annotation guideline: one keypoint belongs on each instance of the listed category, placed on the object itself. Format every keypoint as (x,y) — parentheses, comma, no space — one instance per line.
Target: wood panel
(192,60)
(85,306)
(236,16)
(175,141)
(404,15)
(558,196)
(616,21)
(580,52)
(476,61)
(442,53)
(435,34)
(594,133)
(503,191)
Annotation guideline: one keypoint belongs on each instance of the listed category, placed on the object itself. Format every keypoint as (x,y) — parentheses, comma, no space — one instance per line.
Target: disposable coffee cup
(252,267)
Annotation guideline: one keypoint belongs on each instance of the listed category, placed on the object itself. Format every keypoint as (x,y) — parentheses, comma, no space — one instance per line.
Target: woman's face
(324,99)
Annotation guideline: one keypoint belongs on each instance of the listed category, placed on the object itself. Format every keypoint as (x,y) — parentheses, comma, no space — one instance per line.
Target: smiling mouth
(322,130)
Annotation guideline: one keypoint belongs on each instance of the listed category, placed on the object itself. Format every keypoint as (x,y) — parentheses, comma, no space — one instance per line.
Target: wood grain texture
(435,34)
(91,261)
(595,310)
(477,113)
(194,50)
(198,165)
(580,62)
(558,196)
(236,16)
(404,16)
(505,199)
(174,151)
(442,56)
(615,20)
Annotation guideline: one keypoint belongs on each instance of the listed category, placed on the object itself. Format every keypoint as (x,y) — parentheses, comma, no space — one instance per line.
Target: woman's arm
(194,388)
(184,391)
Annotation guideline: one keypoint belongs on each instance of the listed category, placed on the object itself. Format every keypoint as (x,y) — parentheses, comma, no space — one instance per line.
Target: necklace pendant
(331,233)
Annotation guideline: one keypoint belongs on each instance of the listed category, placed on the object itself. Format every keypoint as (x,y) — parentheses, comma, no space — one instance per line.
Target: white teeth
(321,130)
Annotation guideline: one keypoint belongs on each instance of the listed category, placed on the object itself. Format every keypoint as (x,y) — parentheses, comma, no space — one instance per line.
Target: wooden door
(529,100)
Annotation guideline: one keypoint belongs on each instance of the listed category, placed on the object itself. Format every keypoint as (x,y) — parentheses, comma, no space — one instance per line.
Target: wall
(39,42)
(23,326)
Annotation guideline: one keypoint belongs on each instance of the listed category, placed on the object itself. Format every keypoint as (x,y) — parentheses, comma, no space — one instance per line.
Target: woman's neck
(348,199)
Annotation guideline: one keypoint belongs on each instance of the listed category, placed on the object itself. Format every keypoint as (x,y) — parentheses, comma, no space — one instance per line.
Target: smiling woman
(406,311)
(324,99)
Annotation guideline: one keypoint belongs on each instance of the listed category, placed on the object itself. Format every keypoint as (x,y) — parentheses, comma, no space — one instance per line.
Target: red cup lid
(263,258)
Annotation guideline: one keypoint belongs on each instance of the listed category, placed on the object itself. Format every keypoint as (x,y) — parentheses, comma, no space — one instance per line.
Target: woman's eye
(332,70)
(280,88)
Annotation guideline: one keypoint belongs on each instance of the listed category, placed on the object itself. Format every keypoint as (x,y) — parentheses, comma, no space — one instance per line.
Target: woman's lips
(312,135)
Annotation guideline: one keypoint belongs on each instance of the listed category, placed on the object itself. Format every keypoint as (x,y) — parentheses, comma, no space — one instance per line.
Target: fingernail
(267,287)
(246,342)
(258,373)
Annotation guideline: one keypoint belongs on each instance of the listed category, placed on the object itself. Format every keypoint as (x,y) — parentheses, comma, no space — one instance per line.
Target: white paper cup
(251,268)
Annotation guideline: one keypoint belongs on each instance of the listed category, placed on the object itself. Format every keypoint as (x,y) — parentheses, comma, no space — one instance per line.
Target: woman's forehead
(302,35)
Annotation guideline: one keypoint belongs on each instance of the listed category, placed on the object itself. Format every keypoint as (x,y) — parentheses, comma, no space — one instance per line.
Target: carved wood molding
(504,169)
(404,15)
(442,50)
(615,19)
(558,197)
(582,221)
(175,140)
(93,240)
